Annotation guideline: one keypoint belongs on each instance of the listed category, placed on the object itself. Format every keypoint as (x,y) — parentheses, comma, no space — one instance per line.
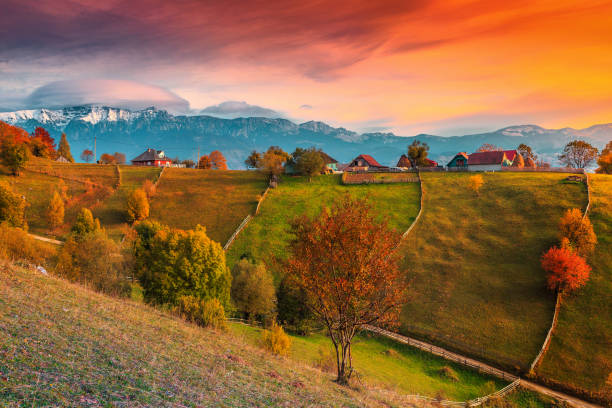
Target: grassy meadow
(267,235)
(580,354)
(477,285)
(112,213)
(217,200)
(102,174)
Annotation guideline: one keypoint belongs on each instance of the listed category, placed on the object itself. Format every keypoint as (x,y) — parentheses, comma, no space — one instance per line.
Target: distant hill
(131,132)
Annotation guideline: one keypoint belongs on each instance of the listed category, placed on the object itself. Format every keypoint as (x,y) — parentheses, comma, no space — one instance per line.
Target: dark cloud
(116,93)
(237,109)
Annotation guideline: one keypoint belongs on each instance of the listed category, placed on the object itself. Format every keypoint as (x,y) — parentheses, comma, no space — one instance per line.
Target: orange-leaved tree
(344,260)
(579,232)
(204,162)
(566,270)
(218,160)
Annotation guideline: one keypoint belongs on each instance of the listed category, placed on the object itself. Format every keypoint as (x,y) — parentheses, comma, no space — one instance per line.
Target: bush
(206,313)
(12,206)
(253,290)
(95,261)
(55,211)
(293,310)
(578,231)
(85,224)
(16,244)
(276,340)
(475,182)
(149,188)
(137,205)
(173,263)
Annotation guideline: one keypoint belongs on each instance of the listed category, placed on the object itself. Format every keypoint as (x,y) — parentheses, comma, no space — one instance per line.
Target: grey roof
(150,155)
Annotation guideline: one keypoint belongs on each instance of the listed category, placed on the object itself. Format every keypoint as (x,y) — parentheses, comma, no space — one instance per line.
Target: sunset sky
(443,67)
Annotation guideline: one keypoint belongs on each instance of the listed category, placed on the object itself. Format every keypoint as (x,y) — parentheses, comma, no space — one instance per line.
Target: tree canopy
(63,149)
(417,153)
(578,154)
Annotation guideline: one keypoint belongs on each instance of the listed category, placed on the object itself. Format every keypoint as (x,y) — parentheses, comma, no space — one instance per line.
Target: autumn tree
(578,154)
(149,188)
(204,163)
(309,163)
(217,160)
(42,144)
(172,263)
(273,161)
(87,155)
(526,152)
(63,149)
(345,262)
(488,147)
(55,210)
(475,182)
(253,289)
(605,160)
(12,206)
(254,160)
(417,153)
(85,224)
(14,156)
(518,161)
(120,158)
(107,158)
(188,163)
(529,163)
(566,270)
(137,205)
(579,232)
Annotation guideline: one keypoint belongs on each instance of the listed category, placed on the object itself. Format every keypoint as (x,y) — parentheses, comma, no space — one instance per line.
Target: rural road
(458,358)
(49,240)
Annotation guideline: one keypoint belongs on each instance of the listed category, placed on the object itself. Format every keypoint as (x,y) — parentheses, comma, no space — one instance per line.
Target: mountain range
(131,132)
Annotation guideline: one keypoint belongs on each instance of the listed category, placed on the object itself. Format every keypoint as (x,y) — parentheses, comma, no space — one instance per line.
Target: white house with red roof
(490,161)
(152,157)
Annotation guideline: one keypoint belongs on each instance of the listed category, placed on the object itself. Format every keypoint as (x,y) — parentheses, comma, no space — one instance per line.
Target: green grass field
(64,345)
(103,174)
(217,200)
(112,212)
(267,235)
(580,354)
(477,285)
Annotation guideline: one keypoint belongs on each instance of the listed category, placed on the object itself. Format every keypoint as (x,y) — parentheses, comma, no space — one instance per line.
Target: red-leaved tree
(218,161)
(44,138)
(566,270)
(344,260)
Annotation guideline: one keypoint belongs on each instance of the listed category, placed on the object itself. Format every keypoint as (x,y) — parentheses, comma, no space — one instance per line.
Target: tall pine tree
(64,149)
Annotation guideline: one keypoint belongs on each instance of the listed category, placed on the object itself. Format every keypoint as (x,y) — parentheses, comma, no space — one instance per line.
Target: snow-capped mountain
(131,132)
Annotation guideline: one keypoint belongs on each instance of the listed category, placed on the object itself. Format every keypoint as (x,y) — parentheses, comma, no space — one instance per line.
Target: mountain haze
(131,132)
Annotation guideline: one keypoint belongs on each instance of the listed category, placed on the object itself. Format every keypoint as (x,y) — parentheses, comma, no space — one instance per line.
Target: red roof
(510,154)
(496,157)
(431,163)
(369,159)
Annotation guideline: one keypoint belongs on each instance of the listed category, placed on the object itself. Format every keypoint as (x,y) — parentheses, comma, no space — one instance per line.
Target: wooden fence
(235,234)
(422,198)
(378,178)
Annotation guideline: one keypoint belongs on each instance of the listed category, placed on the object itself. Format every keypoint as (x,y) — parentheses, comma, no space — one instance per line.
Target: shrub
(12,206)
(55,211)
(326,360)
(137,205)
(567,271)
(95,261)
(293,310)
(448,373)
(85,224)
(207,313)
(173,263)
(276,340)
(579,232)
(14,156)
(149,188)
(475,182)
(252,289)
(16,244)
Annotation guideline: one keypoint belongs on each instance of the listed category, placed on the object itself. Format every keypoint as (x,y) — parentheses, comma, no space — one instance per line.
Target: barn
(490,161)
(152,157)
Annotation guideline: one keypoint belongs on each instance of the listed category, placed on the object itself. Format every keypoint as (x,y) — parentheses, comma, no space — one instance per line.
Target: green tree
(137,205)
(173,263)
(55,210)
(292,305)
(85,224)
(12,206)
(578,154)
(64,149)
(14,156)
(310,163)
(417,153)
(253,289)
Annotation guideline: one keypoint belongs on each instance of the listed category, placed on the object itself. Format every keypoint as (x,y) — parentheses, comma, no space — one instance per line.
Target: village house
(152,157)
(459,161)
(364,162)
(331,164)
(491,161)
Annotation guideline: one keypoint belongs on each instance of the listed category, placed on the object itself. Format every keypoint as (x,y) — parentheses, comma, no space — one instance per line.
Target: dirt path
(49,240)
(480,366)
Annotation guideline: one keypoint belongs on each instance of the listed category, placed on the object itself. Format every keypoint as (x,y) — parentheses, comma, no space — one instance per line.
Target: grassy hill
(218,200)
(267,235)
(112,212)
(474,259)
(62,344)
(580,354)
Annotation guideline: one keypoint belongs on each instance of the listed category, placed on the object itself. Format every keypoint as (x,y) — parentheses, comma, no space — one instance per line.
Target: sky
(444,67)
